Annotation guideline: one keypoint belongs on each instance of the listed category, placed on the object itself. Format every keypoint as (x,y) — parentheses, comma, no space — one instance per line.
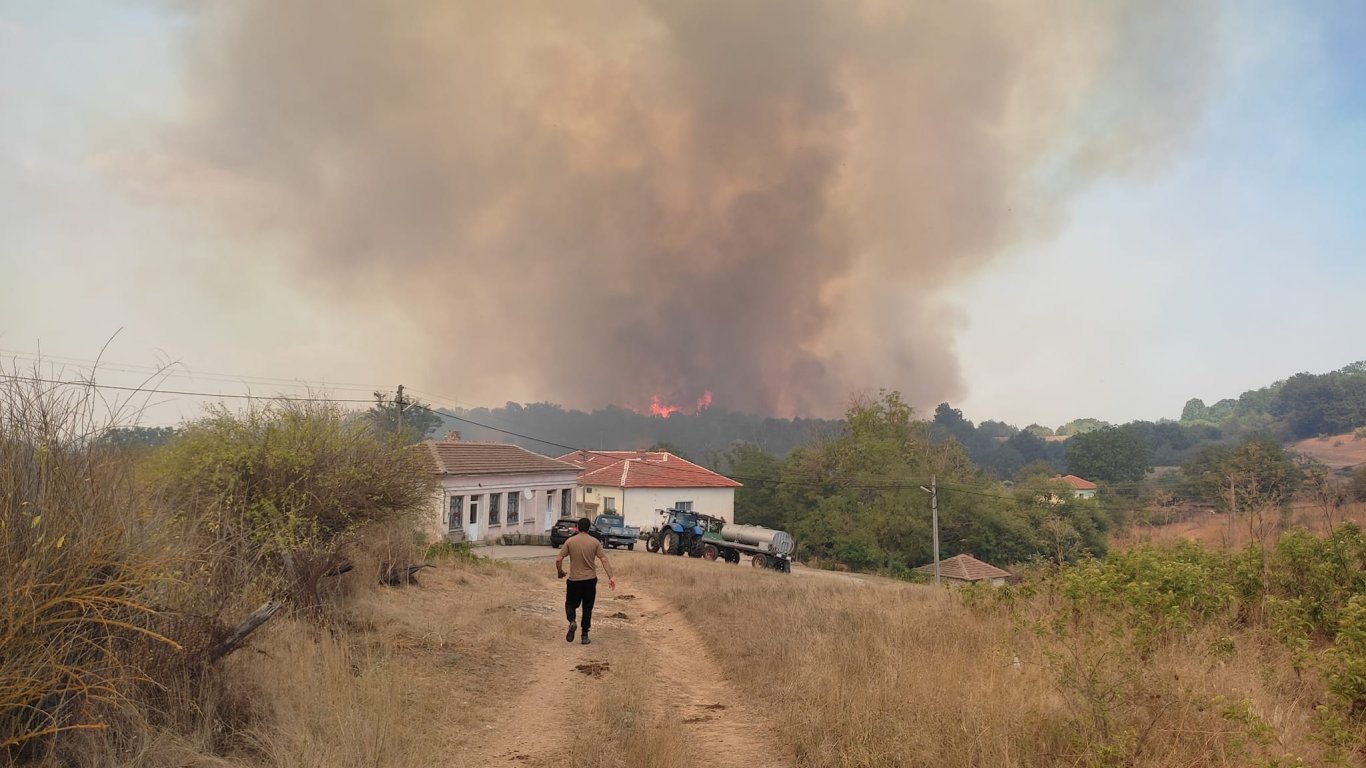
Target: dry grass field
(707,664)
(1217,530)
(1337,451)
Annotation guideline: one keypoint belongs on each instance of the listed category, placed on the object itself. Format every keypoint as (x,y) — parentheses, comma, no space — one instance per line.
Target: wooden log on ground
(239,635)
(396,575)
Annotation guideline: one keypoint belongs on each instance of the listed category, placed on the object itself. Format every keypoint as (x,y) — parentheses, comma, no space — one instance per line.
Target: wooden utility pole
(934,522)
(399,401)
(933,491)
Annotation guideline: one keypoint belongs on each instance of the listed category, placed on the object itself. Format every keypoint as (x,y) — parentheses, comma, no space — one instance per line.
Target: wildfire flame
(664,410)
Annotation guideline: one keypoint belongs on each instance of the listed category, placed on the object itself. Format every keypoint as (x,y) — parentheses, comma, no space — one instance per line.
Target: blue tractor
(680,532)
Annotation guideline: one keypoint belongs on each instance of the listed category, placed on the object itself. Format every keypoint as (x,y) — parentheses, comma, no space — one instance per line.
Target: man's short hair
(584,524)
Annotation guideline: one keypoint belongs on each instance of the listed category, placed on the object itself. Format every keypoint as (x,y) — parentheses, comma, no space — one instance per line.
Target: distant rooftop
(965,568)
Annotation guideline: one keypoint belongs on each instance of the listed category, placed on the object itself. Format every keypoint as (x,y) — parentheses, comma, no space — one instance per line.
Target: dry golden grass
(859,675)
(1217,530)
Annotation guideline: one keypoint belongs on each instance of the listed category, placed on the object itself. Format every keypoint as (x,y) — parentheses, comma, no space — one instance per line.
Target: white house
(490,490)
(1081,489)
(636,484)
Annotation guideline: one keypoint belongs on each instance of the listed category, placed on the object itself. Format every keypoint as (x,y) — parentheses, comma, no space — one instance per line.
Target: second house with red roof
(637,484)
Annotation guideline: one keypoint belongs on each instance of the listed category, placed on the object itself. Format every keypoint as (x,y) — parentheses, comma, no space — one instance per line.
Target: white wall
(641,503)
(533,517)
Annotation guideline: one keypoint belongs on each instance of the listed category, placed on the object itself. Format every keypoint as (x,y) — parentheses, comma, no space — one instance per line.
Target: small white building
(490,490)
(636,484)
(1081,489)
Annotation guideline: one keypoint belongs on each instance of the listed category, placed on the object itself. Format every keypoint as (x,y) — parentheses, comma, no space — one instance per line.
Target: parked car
(562,530)
(613,531)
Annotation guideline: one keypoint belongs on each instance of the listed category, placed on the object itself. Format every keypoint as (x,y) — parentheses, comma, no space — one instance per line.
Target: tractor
(679,532)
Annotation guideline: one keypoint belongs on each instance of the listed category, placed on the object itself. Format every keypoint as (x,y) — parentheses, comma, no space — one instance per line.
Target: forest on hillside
(1304,405)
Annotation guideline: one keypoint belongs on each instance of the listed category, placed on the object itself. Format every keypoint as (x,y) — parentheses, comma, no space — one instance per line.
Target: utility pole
(399,401)
(933,491)
(934,521)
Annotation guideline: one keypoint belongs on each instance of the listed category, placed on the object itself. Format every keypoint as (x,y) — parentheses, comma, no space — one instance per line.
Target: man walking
(582,588)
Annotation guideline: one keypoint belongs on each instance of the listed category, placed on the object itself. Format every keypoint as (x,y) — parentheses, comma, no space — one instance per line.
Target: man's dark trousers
(584,591)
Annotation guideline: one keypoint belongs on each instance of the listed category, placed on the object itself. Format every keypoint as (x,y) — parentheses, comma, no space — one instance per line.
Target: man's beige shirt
(583,551)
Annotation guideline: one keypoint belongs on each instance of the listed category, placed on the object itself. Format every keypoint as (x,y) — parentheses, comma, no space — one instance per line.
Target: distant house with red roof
(966,569)
(1081,489)
(636,484)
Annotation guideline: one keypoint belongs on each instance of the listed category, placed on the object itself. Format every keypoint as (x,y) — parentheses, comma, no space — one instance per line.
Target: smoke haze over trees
(601,202)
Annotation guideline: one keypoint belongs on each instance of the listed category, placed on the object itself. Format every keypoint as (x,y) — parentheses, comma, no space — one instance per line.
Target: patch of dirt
(618,615)
(744,736)
(593,668)
(624,597)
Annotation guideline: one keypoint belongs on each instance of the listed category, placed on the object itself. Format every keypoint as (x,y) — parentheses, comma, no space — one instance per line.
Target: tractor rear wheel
(759,561)
(696,549)
(709,552)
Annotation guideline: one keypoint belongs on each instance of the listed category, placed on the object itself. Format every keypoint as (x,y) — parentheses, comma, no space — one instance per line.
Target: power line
(158,391)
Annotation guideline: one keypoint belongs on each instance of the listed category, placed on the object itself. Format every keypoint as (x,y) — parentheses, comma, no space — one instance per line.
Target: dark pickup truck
(613,531)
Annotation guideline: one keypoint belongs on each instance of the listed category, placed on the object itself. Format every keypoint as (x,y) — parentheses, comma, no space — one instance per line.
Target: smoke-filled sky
(1037,211)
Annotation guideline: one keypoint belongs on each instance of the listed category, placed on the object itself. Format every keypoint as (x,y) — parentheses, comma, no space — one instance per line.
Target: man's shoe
(569,636)
(585,639)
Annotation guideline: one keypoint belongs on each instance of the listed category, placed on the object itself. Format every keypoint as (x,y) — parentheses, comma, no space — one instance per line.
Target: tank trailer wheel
(783,566)
(733,557)
(709,552)
(759,561)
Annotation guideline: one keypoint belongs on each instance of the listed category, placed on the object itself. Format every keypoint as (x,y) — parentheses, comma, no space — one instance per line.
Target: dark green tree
(1110,455)
(139,437)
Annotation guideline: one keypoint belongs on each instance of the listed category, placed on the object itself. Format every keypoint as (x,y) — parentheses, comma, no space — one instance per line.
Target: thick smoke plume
(597,202)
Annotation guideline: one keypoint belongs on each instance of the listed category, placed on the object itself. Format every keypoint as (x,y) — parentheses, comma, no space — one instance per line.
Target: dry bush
(280,491)
(84,563)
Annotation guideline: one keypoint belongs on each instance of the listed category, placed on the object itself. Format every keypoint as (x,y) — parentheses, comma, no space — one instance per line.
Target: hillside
(1336,451)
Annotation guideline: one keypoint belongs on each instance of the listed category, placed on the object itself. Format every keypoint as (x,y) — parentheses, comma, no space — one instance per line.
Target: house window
(495,514)
(474,510)
(686,506)
(566,498)
(609,505)
(514,502)
(457,511)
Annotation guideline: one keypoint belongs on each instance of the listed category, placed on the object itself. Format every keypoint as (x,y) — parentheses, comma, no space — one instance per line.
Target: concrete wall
(549,491)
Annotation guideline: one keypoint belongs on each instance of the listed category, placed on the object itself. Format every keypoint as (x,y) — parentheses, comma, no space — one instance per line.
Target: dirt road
(644,658)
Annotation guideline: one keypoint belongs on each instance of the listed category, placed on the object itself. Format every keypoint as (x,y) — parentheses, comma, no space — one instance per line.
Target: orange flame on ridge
(665,410)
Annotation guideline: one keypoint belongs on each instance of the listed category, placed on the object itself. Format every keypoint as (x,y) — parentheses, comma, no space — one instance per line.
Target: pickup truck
(612,531)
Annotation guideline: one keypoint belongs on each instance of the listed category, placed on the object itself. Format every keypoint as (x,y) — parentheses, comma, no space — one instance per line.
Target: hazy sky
(1036,211)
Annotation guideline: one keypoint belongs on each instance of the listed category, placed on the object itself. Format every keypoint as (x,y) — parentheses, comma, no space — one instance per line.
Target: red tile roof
(644,469)
(462,458)
(965,568)
(1078,483)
